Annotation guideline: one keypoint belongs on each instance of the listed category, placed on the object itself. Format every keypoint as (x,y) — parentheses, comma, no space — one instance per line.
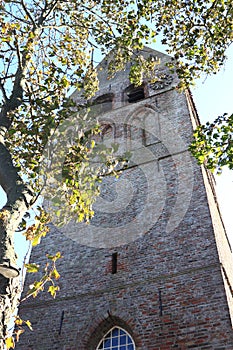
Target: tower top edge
(116,84)
(146,52)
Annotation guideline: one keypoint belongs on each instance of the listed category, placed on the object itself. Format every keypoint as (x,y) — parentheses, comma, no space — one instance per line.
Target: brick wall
(168,291)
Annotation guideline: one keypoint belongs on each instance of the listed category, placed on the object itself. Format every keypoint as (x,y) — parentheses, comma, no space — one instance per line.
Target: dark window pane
(123,340)
(135,94)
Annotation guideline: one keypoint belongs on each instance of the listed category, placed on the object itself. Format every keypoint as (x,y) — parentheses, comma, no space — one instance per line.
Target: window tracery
(116,339)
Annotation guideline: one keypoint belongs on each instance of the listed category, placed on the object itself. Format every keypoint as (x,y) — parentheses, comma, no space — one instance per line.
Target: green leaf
(54,257)
(32,268)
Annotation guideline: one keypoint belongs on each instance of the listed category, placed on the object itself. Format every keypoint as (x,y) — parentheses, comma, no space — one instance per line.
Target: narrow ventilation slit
(114,263)
(160,304)
(61,322)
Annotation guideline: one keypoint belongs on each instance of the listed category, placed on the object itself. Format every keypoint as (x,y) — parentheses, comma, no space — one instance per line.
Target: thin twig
(28,13)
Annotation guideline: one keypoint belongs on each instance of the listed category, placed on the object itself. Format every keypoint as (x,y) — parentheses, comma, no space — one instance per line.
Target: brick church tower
(153,270)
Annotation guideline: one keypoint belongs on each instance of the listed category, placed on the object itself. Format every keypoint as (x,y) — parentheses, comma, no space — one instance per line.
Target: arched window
(103,103)
(116,339)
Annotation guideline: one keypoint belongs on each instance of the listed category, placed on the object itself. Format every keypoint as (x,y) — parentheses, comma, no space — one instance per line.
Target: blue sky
(213,96)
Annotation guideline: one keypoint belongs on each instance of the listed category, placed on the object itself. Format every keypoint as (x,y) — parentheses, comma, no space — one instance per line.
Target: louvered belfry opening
(135,93)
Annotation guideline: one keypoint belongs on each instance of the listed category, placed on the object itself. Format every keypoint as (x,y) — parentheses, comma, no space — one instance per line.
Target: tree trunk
(19,200)
(9,294)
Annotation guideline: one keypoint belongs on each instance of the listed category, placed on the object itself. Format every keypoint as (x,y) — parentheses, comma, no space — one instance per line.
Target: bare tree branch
(3,92)
(28,13)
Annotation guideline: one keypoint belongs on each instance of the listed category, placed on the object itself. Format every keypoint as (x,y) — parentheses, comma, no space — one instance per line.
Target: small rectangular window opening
(136,94)
(114,263)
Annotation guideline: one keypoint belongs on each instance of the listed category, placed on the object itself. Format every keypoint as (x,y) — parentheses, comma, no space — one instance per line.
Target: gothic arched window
(116,339)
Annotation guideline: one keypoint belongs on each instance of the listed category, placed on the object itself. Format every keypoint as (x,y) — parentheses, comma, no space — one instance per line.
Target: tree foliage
(48,49)
(213,143)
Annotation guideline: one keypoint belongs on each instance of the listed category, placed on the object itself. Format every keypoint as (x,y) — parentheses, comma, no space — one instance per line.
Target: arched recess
(110,326)
(107,133)
(143,126)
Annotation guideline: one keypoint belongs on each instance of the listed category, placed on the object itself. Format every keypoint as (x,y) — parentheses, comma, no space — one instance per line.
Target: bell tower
(153,269)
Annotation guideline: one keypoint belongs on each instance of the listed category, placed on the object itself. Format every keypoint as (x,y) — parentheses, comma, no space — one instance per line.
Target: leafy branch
(213,143)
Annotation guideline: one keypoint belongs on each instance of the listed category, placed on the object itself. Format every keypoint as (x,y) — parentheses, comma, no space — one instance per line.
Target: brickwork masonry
(171,287)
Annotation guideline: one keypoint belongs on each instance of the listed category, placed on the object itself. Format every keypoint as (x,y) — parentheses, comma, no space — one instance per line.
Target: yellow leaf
(18,321)
(58,255)
(36,240)
(28,323)
(55,274)
(10,343)
(52,290)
